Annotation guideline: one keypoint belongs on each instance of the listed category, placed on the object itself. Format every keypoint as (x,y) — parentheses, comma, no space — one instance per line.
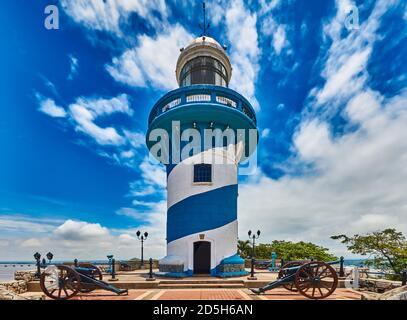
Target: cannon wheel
(96,273)
(282,273)
(67,286)
(316,280)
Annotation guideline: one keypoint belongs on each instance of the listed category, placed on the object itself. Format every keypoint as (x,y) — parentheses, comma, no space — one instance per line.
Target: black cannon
(62,282)
(312,279)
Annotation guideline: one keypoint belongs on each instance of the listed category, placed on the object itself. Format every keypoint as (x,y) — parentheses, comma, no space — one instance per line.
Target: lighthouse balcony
(203,103)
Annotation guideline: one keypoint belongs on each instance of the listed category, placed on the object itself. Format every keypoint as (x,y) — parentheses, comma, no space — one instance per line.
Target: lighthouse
(201,133)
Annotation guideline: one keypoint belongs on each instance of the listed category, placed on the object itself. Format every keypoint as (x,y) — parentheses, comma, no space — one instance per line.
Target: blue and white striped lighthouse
(207,126)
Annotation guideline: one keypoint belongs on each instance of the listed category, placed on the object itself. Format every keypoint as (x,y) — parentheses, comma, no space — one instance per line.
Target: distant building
(203,187)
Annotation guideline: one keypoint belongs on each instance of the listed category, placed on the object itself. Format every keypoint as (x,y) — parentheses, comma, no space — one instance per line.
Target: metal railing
(220,96)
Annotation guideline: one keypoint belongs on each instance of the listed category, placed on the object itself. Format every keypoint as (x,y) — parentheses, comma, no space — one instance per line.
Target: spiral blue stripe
(202,212)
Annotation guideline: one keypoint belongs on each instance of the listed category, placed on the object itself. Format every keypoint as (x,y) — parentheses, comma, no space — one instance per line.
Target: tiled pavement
(211,294)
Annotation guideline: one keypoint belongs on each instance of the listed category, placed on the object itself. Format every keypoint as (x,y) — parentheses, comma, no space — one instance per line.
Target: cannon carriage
(313,279)
(62,282)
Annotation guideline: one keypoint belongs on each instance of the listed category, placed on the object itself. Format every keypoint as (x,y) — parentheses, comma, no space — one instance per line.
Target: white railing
(171,104)
(199,97)
(226,101)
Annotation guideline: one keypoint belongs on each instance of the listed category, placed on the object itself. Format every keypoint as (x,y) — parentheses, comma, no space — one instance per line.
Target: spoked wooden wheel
(283,273)
(96,273)
(60,282)
(316,280)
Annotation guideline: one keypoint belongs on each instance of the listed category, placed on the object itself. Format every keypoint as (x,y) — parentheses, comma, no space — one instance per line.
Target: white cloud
(80,231)
(17,223)
(152,61)
(358,183)
(346,79)
(153,220)
(121,146)
(31,243)
(109,15)
(49,107)
(350,183)
(279,39)
(84,112)
(245,51)
(84,240)
(268,5)
(265,133)
(346,59)
(153,174)
(270,27)
(74,65)
(127,240)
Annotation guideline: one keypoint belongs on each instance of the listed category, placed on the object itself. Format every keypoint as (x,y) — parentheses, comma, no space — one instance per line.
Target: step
(201,286)
(203,281)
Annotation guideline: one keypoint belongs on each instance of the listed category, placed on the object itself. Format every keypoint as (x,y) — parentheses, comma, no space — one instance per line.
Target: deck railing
(218,96)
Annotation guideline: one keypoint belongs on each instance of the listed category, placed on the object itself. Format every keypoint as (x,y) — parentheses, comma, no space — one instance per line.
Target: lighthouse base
(231,267)
(173,267)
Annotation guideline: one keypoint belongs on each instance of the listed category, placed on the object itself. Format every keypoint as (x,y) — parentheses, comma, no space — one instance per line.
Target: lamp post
(49,257)
(110,259)
(142,238)
(253,237)
(37,257)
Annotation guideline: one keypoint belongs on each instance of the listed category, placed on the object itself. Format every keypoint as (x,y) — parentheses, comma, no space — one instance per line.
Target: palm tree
(243,248)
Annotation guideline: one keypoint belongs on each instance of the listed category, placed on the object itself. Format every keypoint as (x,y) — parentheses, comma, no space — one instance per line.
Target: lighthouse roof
(204,40)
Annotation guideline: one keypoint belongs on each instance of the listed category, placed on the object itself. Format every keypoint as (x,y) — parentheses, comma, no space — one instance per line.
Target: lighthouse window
(204,70)
(202,173)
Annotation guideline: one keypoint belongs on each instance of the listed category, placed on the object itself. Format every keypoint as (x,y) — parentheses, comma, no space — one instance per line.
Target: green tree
(244,248)
(388,248)
(293,251)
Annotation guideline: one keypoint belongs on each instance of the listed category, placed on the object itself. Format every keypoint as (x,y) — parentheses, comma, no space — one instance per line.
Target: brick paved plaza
(209,294)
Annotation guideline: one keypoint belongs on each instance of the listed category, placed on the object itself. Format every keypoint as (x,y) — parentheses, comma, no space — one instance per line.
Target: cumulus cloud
(152,61)
(270,27)
(358,183)
(351,182)
(244,52)
(84,115)
(49,107)
(346,59)
(110,15)
(279,39)
(83,240)
(79,230)
(84,112)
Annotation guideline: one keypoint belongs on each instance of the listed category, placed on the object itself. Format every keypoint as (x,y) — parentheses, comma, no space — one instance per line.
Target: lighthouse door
(202,257)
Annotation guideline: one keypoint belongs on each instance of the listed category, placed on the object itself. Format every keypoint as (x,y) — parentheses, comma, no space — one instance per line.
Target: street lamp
(142,238)
(253,237)
(49,257)
(37,257)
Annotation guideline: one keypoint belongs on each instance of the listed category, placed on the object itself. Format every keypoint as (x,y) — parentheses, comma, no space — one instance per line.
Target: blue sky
(330,101)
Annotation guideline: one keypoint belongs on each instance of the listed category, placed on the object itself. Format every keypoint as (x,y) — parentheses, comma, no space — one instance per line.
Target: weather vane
(205,26)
